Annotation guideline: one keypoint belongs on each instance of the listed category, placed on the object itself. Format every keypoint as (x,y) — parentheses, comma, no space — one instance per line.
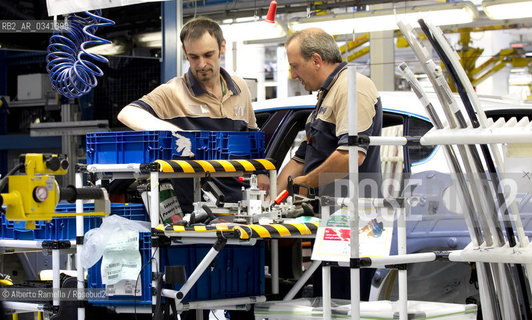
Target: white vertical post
(79,245)
(275,265)
(326,276)
(273,184)
(55,276)
(154,218)
(179,26)
(326,283)
(401,249)
(70,262)
(197,191)
(353,189)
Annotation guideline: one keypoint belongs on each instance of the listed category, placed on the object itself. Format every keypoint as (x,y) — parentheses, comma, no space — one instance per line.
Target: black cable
(137,282)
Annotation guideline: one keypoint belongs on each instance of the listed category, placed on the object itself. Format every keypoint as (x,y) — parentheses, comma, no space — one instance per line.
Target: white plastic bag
(96,239)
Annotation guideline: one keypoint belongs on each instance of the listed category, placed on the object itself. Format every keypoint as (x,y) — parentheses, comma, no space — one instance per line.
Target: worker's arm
(140,119)
(292,168)
(337,162)
(263,182)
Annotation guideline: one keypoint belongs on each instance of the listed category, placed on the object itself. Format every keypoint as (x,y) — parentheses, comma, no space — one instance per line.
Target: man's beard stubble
(206,76)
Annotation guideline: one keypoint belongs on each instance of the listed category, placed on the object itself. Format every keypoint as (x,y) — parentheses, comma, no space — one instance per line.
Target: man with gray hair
(323,156)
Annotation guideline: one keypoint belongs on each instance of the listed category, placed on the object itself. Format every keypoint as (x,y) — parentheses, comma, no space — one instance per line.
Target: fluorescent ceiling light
(154,44)
(245,31)
(386,19)
(150,37)
(107,49)
(507,9)
(256,30)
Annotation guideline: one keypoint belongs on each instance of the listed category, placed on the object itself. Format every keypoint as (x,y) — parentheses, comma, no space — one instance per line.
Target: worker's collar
(197,90)
(332,77)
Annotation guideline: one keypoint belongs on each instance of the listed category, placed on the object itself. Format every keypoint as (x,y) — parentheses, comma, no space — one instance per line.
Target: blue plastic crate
(148,146)
(128,146)
(237,145)
(64,228)
(16,230)
(94,278)
(237,271)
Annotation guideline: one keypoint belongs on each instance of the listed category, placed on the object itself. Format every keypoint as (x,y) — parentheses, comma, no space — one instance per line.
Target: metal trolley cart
(219,235)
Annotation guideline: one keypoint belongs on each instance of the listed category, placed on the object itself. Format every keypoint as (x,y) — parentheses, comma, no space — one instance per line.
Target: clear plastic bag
(95,240)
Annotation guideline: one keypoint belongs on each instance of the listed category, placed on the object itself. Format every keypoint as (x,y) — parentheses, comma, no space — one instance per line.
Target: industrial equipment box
(64,228)
(33,86)
(147,146)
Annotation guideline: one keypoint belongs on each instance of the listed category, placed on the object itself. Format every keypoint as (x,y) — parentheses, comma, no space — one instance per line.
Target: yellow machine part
(36,163)
(21,199)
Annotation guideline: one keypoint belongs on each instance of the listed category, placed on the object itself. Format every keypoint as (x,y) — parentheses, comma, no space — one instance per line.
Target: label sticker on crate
(124,288)
(121,257)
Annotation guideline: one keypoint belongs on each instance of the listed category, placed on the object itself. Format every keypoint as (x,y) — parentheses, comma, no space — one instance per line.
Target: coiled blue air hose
(73,70)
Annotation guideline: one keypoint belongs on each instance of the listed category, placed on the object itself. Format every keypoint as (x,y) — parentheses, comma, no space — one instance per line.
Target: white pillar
(250,64)
(382,64)
(283,73)
(382,53)
(229,58)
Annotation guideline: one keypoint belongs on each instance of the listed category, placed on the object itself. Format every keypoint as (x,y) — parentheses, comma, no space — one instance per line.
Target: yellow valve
(31,197)
(34,195)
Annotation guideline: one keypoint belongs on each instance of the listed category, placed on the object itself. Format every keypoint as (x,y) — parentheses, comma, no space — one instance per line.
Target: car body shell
(431,224)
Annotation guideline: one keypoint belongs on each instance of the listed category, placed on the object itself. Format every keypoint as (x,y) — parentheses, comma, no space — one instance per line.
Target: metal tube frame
(353,190)
(79,244)
(196,274)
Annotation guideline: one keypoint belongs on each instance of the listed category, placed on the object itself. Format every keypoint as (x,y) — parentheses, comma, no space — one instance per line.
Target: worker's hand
(263,182)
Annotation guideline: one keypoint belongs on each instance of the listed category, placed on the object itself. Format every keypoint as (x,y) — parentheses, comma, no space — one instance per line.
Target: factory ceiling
(130,21)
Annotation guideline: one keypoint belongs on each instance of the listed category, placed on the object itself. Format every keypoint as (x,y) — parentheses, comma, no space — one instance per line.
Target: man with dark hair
(205,98)
(323,156)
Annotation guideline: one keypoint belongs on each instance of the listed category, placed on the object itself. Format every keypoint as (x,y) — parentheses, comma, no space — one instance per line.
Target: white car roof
(400,101)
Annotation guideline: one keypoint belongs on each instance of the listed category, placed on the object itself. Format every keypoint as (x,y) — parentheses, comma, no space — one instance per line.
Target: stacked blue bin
(237,145)
(147,146)
(64,228)
(237,271)
(16,230)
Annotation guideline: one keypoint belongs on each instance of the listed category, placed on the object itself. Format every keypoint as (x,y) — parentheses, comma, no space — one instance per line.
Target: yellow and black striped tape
(245,232)
(199,166)
(249,231)
(169,230)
